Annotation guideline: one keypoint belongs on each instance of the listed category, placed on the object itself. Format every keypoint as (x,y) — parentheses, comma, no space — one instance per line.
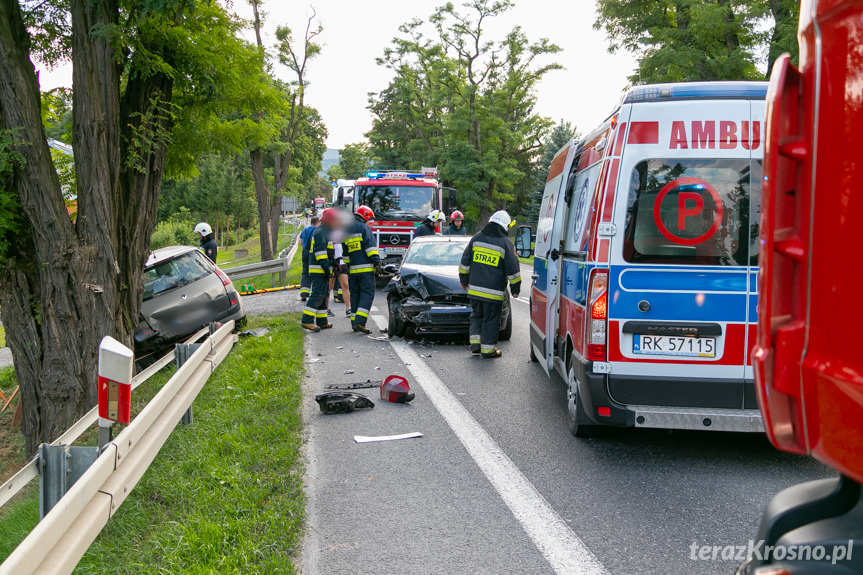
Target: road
(498,485)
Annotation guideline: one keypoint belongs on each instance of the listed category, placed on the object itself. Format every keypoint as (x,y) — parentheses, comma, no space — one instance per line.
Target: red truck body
(808,365)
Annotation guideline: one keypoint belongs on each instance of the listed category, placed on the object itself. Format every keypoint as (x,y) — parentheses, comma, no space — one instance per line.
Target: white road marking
(562,548)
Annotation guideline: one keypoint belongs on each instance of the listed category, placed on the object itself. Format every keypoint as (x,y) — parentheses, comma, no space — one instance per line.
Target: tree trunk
(64,286)
(227,231)
(263,195)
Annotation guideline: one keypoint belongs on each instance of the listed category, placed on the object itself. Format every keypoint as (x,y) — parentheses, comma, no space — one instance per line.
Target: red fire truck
(808,370)
(401,201)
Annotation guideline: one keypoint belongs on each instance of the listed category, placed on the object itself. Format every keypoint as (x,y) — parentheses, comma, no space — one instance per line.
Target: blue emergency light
(698,91)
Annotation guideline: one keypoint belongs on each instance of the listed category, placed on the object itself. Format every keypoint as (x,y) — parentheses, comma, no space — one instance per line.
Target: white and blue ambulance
(644,287)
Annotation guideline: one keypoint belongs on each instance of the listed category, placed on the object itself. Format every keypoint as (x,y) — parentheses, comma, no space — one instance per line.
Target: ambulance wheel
(579,424)
(506,333)
(395,325)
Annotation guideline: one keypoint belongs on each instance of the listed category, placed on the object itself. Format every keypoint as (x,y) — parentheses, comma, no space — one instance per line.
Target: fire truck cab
(808,366)
(401,201)
(644,286)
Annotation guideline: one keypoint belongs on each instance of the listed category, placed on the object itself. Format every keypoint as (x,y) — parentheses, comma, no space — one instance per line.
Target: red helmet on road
(366,213)
(456,215)
(330,216)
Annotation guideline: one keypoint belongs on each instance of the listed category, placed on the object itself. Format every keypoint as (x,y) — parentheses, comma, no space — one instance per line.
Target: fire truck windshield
(411,203)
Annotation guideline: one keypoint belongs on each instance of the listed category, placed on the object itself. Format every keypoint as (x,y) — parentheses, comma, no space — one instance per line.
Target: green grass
(224,495)
(292,277)
(528,261)
(21,514)
(2,337)
(226,260)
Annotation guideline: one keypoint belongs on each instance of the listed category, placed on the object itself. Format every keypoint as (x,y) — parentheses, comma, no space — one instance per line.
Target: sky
(356,32)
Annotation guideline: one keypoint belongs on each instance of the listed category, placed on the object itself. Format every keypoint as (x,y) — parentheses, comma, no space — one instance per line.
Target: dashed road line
(562,548)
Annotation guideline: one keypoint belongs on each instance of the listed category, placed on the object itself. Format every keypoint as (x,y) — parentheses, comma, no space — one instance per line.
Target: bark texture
(64,285)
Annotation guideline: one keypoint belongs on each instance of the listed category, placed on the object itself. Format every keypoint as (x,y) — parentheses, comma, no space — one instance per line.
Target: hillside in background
(331,157)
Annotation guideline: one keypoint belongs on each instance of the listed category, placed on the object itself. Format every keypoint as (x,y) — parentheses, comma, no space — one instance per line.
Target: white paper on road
(369,439)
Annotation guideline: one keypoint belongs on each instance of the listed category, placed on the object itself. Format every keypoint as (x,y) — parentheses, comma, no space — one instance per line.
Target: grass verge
(225,258)
(292,277)
(224,495)
(2,336)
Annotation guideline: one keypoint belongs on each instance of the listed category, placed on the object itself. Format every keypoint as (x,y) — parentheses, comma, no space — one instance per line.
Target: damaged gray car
(183,292)
(425,296)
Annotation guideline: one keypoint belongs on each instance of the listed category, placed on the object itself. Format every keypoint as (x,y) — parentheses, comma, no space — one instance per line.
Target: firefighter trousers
(305,279)
(316,306)
(362,288)
(485,323)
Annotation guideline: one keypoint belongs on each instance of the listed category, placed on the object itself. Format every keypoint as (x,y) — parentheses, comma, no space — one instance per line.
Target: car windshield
(410,203)
(173,273)
(435,253)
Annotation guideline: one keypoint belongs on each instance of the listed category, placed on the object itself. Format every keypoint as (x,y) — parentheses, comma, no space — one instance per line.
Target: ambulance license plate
(672,345)
(395,251)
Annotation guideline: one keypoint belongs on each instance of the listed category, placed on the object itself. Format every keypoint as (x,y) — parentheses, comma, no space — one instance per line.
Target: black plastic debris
(256,332)
(367,384)
(335,402)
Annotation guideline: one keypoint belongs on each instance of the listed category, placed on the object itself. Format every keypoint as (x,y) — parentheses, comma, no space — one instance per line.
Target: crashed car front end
(433,302)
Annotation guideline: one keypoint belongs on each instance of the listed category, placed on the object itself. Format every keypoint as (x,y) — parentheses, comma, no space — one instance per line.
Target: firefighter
(305,237)
(361,253)
(487,265)
(208,241)
(429,226)
(456,226)
(320,268)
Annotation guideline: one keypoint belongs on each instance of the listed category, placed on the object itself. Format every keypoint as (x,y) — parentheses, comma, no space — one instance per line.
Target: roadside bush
(173,233)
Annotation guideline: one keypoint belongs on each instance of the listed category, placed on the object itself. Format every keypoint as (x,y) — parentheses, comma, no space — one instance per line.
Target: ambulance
(644,286)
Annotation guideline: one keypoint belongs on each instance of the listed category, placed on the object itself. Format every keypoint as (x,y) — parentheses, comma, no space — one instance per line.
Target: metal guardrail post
(106,432)
(184,351)
(60,466)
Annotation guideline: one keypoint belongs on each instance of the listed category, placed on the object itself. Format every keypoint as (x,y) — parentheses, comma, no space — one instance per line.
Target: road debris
(396,389)
(368,439)
(349,371)
(256,332)
(367,384)
(334,402)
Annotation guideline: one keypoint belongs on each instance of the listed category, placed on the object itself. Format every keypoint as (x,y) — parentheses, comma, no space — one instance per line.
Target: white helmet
(437,216)
(204,229)
(502,219)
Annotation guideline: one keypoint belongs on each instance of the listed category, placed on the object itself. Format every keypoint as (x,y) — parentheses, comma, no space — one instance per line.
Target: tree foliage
(560,136)
(464,102)
(147,74)
(691,40)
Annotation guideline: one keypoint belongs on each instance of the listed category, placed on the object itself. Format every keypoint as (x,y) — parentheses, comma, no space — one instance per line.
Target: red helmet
(330,216)
(456,215)
(366,213)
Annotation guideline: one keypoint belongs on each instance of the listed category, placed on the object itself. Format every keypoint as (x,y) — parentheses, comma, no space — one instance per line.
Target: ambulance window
(576,236)
(691,212)
(755,213)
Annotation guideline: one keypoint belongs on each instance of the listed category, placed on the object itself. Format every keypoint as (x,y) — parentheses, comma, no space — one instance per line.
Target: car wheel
(506,333)
(579,424)
(395,325)
(410,330)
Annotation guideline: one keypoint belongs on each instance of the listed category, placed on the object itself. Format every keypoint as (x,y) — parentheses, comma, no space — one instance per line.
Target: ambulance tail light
(597,298)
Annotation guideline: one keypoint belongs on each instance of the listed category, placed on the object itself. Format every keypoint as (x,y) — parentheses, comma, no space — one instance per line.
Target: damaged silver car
(425,296)
(183,292)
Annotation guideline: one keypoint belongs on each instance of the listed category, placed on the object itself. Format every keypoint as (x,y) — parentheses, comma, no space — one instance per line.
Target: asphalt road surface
(498,485)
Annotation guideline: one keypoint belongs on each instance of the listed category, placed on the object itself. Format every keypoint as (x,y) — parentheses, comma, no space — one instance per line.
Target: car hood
(430,281)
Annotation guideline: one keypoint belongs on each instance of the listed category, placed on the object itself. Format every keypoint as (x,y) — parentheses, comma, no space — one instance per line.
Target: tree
(296,58)
(357,159)
(466,103)
(683,40)
(783,36)
(561,135)
(63,284)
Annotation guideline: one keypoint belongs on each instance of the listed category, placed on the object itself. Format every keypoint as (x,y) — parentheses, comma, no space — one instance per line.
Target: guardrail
(277,266)
(59,541)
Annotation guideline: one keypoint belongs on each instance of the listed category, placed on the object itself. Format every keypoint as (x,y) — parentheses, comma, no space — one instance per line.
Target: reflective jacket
(454,231)
(427,228)
(361,249)
(320,252)
(304,241)
(488,264)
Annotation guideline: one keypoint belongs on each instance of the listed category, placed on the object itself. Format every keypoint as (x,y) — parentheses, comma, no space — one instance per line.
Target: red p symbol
(683,211)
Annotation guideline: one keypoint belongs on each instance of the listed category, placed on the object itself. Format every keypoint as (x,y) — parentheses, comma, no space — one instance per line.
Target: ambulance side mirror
(522,242)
